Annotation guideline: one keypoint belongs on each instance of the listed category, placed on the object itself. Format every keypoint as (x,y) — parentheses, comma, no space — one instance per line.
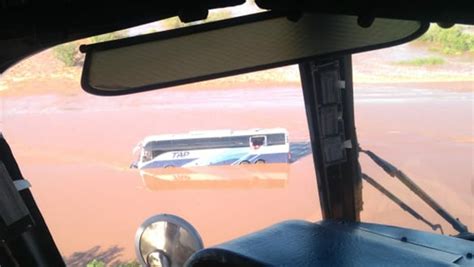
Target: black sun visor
(230,47)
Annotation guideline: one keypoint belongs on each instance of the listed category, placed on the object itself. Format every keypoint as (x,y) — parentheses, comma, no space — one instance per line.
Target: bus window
(147,155)
(257,141)
(156,153)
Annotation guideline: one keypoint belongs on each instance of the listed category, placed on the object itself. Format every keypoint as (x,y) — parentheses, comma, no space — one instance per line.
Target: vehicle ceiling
(29,26)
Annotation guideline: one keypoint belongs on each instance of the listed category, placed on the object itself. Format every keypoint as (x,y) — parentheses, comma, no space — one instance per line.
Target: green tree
(108,37)
(69,53)
(96,263)
(129,264)
(66,53)
(449,41)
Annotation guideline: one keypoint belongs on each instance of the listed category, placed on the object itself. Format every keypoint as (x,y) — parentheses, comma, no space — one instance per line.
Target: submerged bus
(214,148)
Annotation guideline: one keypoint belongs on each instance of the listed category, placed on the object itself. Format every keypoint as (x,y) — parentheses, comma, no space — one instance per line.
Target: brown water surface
(76,152)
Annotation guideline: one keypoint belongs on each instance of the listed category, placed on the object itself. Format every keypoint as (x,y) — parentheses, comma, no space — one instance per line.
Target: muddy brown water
(76,152)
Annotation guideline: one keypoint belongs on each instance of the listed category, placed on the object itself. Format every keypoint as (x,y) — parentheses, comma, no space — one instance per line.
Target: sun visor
(230,47)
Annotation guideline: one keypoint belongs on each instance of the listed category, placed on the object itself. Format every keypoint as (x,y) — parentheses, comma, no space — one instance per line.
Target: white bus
(214,148)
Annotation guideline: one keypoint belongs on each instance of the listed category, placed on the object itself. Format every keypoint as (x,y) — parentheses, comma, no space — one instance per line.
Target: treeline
(456,40)
(69,54)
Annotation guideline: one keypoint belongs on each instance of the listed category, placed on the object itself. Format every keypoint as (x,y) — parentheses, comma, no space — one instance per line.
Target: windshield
(414,108)
(232,155)
(223,182)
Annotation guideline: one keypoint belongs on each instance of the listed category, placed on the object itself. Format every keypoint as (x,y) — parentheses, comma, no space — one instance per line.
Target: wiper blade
(394,172)
(400,203)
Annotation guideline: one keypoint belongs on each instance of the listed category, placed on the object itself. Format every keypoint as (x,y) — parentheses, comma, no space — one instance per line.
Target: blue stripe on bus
(167,163)
(227,160)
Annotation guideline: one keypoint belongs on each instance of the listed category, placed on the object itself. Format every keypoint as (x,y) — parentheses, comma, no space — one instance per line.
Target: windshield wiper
(400,203)
(394,172)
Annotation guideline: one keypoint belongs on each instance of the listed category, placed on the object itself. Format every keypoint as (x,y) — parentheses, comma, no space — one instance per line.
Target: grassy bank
(422,61)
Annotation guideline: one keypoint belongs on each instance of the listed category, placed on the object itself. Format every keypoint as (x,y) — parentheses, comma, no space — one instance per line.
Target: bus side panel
(219,157)
(273,158)
(231,161)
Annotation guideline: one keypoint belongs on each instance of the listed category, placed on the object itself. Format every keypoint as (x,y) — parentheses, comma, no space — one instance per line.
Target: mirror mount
(193,14)
(158,258)
(365,21)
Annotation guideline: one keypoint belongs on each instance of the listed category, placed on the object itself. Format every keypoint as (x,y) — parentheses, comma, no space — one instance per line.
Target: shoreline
(56,86)
(451,86)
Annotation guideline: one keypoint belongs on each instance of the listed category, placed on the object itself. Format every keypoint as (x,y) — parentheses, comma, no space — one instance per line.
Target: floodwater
(76,152)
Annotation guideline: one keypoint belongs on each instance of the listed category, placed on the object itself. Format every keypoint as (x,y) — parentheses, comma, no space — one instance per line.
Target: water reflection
(212,177)
(299,150)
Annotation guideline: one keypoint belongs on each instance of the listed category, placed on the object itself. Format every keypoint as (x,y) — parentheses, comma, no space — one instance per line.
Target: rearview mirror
(230,47)
(166,240)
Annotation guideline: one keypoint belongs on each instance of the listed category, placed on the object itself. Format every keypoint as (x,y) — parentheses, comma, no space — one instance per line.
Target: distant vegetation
(98,263)
(66,53)
(422,61)
(452,41)
(108,37)
(69,54)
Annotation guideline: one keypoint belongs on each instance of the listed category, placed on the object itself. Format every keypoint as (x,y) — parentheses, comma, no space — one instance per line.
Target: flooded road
(429,135)
(76,152)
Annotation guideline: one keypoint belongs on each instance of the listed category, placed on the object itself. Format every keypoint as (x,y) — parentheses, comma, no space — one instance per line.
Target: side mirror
(166,240)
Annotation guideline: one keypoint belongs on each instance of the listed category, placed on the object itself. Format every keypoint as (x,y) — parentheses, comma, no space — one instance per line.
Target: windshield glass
(414,108)
(215,153)
(233,155)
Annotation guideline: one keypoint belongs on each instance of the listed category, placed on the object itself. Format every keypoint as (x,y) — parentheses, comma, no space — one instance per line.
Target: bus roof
(213,133)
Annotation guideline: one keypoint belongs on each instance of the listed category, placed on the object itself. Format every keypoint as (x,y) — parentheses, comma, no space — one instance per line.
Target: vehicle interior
(320,39)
